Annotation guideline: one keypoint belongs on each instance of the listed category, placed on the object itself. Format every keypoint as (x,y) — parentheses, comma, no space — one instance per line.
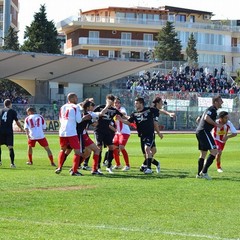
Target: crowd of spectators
(185,79)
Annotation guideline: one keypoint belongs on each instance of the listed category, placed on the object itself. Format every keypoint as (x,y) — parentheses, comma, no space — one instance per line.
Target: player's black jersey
(145,120)
(204,125)
(83,124)
(7,115)
(105,120)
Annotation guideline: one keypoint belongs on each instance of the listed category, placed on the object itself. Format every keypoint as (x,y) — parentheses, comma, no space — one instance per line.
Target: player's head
(30,110)
(217,101)
(72,98)
(223,117)
(88,105)
(157,102)
(139,103)
(111,98)
(7,103)
(117,103)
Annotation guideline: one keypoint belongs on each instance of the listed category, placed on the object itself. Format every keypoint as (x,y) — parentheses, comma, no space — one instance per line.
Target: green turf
(36,203)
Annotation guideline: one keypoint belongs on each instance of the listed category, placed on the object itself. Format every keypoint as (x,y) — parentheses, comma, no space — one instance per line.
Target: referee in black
(205,140)
(7,116)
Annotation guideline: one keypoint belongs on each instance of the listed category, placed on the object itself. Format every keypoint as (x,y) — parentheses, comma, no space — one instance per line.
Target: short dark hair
(87,104)
(222,114)
(157,100)
(110,97)
(216,98)
(7,103)
(140,100)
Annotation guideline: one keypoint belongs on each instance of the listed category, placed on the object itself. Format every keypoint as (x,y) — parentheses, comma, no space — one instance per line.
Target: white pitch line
(120,229)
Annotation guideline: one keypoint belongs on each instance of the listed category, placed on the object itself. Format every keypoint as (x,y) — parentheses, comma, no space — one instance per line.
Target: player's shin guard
(125,156)
(116,156)
(200,165)
(95,162)
(100,159)
(61,158)
(76,160)
(149,162)
(12,155)
(208,163)
(110,158)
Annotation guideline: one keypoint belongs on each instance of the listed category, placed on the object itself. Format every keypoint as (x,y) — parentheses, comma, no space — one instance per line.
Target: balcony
(147,23)
(146,45)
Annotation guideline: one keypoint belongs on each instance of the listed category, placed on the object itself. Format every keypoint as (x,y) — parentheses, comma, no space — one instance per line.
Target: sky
(58,10)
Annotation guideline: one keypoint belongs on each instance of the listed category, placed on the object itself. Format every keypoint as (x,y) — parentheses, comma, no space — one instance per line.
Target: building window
(192,19)
(93,37)
(181,18)
(93,53)
(126,38)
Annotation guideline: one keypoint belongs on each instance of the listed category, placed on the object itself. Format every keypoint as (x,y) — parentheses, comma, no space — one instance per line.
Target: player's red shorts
(43,142)
(87,141)
(72,141)
(220,145)
(120,139)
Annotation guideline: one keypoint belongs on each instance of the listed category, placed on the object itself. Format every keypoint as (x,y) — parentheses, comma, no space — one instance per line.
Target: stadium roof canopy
(66,68)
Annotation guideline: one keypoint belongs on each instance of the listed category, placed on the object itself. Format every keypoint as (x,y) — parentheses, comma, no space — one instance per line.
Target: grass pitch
(36,203)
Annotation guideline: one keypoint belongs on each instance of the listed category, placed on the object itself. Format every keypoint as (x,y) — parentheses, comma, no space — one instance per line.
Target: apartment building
(118,32)
(9,10)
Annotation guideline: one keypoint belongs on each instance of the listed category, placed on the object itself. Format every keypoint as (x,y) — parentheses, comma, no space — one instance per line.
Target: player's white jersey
(35,124)
(220,133)
(121,127)
(69,116)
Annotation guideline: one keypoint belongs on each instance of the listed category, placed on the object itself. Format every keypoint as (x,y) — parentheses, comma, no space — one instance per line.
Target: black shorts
(205,141)
(147,141)
(104,138)
(6,139)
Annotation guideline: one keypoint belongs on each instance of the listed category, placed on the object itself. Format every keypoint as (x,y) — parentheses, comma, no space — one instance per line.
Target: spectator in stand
(7,116)
(34,125)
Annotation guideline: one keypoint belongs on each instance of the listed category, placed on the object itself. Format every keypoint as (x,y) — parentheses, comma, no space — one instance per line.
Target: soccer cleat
(142,168)
(199,176)
(96,173)
(29,163)
(53,164)
(87,168)
(158,168)
(220,170)
(109,170)
(205,175)
(58,170)
(12,165)
(76,173)
(117,167)
(148,171)
(99,170)
(126,168)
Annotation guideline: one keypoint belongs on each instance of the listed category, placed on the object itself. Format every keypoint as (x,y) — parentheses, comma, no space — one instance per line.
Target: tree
(169,46)
(191,51)
(42,34)
(11,40)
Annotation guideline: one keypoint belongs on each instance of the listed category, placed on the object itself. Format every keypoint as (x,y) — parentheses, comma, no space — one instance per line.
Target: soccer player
(34,124)
(121,138)
(69,116)
(221,135)
(7,116)
(102,130)
(158,104)
(146,119)
(205,139)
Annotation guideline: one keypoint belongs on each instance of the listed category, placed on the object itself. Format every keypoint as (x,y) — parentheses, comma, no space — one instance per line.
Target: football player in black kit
(7,116)
(205,139)
(102,131)
(146,119)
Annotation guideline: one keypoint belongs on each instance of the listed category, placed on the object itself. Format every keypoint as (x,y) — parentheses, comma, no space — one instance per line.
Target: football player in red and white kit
(121,138)
(34,124)
(69,116)
(221,135)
